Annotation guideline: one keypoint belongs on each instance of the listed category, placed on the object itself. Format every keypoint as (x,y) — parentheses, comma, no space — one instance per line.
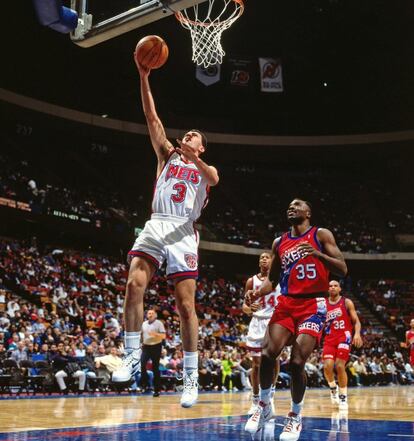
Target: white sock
(190,361)
(132,340)
(297,407)
(265,395)
(332,384)
(343,391)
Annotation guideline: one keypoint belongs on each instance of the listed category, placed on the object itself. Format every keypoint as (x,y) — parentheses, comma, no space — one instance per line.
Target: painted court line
(329,431)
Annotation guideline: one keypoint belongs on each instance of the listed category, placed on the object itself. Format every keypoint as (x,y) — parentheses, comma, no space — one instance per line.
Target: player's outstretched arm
(357,340)
(156,129)
(332,257)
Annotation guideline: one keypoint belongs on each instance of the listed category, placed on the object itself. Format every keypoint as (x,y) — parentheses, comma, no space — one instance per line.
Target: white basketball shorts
(169,238)
(255,336)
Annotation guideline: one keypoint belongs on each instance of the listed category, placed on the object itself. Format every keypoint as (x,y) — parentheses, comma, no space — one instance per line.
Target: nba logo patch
(191,260)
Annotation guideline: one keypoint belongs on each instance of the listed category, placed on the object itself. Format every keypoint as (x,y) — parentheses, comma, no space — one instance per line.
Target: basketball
(151,52)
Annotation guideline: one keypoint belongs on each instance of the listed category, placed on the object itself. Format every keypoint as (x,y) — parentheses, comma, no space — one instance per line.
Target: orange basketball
(151,52)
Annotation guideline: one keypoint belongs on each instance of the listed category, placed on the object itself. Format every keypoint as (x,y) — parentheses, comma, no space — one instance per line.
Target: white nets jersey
(180,190)
(268,302)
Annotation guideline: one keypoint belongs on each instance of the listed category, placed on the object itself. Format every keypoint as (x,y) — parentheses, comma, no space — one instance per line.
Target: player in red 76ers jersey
(302,258)
(181,191)
(409,342)
(341,319)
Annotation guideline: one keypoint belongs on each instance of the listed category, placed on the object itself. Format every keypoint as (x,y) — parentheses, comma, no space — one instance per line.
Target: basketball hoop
(206,24)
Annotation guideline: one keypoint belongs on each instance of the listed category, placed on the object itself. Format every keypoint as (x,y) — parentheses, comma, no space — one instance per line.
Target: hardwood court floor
(376,413)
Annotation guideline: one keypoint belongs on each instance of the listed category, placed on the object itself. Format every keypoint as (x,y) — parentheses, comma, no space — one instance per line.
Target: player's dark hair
(306,202)
(309,205)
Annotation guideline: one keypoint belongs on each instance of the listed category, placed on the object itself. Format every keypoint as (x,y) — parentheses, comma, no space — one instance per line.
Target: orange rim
(180,17)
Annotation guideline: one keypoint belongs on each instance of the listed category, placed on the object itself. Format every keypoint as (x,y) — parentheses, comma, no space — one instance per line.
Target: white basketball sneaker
(292,429)
(334,395)
(261,415)
(131,363)
(255,403)
(190,391)
(343,402)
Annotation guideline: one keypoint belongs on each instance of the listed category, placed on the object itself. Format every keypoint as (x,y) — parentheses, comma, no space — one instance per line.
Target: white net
(206,23)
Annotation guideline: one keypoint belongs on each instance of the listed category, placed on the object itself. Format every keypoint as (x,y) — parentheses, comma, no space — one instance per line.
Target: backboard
(100,20)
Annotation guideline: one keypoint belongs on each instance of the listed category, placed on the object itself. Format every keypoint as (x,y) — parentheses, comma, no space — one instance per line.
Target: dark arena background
(77,174)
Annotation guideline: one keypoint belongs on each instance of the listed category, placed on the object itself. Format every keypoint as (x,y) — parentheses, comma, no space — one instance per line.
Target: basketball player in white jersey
(181,192)
(262,312)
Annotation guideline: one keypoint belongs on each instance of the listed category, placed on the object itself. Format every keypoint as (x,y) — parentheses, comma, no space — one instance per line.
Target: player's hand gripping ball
(151,52)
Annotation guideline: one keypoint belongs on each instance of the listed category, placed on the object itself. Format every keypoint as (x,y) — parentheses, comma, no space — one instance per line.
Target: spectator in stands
(48,337)
(3,354)
(284,369)
(112,324)
(13,341)
(4,322)
(65,365)
(176,362)
(164,359)
(216,371)
(239,373)
(378,374)
(32,349)
(87,363)
(111,362)
(314,371)
(79,349)
(226,366)
(39,326)
(20,353)
(2,296)
(360,371)
(204,370)
(12,308)
(409,371)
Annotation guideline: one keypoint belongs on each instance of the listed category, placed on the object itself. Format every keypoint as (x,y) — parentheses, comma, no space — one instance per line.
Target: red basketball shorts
(300,316)
(334,350)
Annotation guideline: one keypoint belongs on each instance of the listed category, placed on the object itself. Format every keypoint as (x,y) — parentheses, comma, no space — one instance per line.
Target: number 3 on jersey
(181,189)
(307,271)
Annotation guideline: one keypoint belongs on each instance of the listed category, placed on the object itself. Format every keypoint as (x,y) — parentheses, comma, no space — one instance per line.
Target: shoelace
(190,382)
(256,415)
(289,424)
(129,359)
